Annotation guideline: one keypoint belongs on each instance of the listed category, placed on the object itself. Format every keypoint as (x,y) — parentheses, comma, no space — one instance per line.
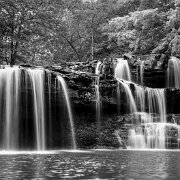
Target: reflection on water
(127,165)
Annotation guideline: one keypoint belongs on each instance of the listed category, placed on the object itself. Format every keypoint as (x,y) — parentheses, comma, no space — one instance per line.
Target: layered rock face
(82,84)
(83,96)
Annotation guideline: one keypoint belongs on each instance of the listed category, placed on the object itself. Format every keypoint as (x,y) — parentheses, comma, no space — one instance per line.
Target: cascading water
(157,103)
(129,97)
(49,84)
(173,73)
(149,133)
(9,98)
(122,70)
(97,70)
(62,83)
(37,81)
(142,73)
(173,81)
(26,110)
(136,139)
(140,97)
(98,105)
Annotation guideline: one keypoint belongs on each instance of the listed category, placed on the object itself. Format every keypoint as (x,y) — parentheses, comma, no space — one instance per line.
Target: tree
(20,21)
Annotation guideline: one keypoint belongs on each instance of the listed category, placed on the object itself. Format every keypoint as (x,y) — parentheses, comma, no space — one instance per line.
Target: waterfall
(142,73)
(155,132)
(37,81)
(140,97)
(9,99)
(130,99)
(122,70)
(151,132)
(136,139)
(97,70)
(27,121)
(98,105)
(157,103)
(173,73)
(62,83)
(49,87)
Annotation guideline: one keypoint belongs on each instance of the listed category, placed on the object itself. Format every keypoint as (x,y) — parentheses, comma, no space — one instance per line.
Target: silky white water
(150,134)
(123,76)
(129,97)
(97,93)
(27,122)
(142,73)
(9,99)
(97,70)
(37,82)
(173,73)
(62,83)
(142,99)
(122,70)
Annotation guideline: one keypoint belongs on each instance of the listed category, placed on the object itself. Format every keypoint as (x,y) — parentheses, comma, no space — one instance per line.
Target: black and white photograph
(90,89)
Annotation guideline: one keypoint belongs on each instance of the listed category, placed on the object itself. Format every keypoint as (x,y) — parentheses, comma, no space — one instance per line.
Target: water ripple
(127,165)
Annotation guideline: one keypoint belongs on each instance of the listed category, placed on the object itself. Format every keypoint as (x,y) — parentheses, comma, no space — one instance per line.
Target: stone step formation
(151,131)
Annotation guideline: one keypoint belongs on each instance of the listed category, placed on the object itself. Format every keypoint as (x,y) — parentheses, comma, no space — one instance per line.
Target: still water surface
(125,165)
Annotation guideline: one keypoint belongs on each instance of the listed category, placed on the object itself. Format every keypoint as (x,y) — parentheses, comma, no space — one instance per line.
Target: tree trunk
(92,44)
(72,46)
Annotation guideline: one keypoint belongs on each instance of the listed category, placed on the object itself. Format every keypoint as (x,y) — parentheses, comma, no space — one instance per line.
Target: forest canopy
(48,32)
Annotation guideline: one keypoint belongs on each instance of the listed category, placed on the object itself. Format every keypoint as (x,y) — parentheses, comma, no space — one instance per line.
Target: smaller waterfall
(130,99)
(62,83)
(157,103)
(9,99)
(173,73)
(156,132)
(97,70)
(147,136)
(49,92)
(122,70)
(37,81)
(136,139)
(49,105)
(150,133)
(155,135)
(142,73)
(98,104)
(140,97)
(123,75)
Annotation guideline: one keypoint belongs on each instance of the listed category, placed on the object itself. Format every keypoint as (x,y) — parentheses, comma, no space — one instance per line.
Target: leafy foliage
(51,31)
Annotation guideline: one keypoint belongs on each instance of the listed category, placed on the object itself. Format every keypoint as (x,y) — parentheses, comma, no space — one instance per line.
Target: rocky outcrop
(81,82)
(82,86)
